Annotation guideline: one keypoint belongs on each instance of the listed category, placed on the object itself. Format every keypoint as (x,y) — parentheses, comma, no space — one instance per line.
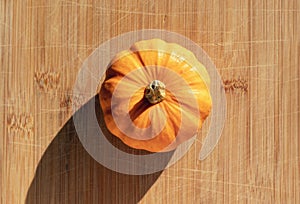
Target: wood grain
(253,42)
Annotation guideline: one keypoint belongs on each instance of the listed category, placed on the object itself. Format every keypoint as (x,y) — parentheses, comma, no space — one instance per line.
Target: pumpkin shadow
(67,173)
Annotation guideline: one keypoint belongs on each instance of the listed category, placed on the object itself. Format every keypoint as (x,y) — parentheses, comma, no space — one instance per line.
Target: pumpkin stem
(155,92)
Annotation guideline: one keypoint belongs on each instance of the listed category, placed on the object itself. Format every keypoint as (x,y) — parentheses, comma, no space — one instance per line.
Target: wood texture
(255,46)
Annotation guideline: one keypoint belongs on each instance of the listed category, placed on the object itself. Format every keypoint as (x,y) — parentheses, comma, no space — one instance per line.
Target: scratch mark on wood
(47,81)
(165,18)
(20,125)
(236,85)
(68,99)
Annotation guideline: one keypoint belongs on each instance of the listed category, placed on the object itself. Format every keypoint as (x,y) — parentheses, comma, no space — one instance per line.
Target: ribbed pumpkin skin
(134,69)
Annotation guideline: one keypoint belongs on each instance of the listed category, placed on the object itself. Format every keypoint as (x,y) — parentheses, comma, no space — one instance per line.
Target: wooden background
(255,46)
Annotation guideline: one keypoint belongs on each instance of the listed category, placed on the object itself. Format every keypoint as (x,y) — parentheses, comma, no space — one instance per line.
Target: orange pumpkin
(151,92)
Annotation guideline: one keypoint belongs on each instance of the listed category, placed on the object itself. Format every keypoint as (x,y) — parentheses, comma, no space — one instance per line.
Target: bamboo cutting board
(255,46)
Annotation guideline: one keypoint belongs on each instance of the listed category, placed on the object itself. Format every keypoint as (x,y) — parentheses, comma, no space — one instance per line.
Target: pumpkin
(154,92)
